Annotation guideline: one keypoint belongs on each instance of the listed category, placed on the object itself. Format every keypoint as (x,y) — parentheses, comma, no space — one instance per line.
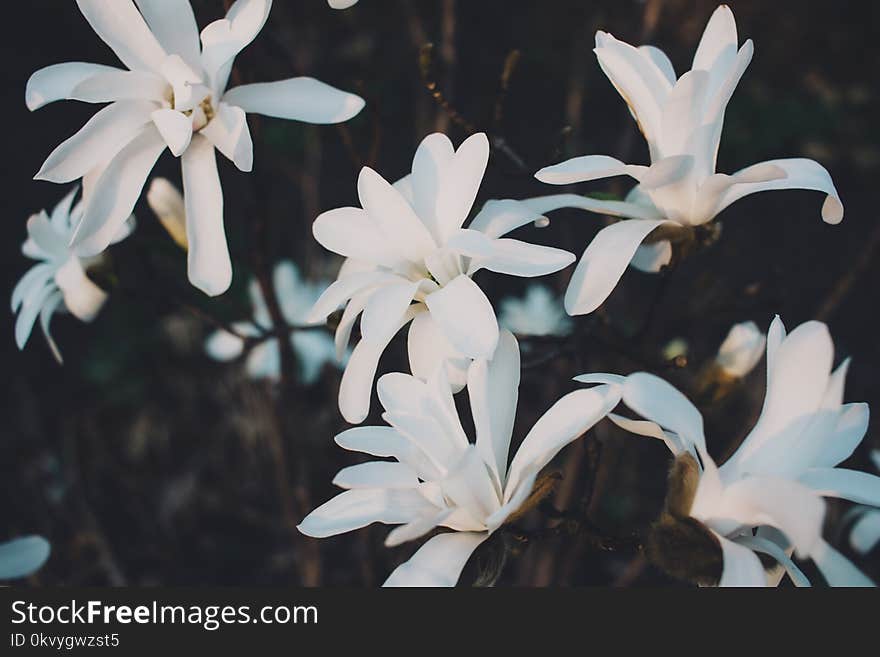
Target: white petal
(394,216)
(741,349)
(35,279)
(469,488)
(661,61)
(376,474)
(466,317)
(353,233)
(656,400)
(175,128)
(58,81)
(358,508)
(439,561)
(837,569)
(493,389)
(461,182)
(208,265)
(651,258)
(46,312)
(81,296)
(852,485)
(122,27)
(296,99)
(229,132)
(223,39)
(357,379)
(51,243)
(174,25)
(865,533)
(719,35)
(683,112)
(223,346)
(385,309)
(167,202)
(116,85)
(98,141)
(741,566)
(22,556)
(603,263)
(428,347)
(430,167)
(117,190)
(759,544)
(416,528)
(566,420)
(582,169)
(612,379)
(650,429)
(347,287)
(30,309)
(802,174)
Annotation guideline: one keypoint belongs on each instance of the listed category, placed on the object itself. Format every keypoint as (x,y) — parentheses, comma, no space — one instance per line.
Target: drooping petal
(81,296)
(603,263)
(658,401)
(345,288)
(652,430)
(384,310)
(297,99)
(229,132)
(566,420)
(759,544)
(358,508)
(30,309)
(111,202)
(853,485)
(208,264)
(837,569)
(439,561)
(122,27)
(22,556)
(741,566)
(465,316)
(801,174)
(584,168)
(35,279)
(493,389)
(175,128)
(57,82)
(174,26)
(98,141)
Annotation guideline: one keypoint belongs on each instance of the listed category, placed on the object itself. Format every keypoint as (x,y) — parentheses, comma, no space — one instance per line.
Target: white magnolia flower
(312,347)
(741,349)
(23,556)
(167,202)
(767,497)
(681,119)
(865,533)
(538,313)
(440,479)
(409,259)
(172,95)
(59,280)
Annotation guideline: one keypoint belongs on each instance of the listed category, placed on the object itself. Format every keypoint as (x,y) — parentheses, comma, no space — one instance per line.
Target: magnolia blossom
(741,350)
(173,95)
(865,533)
(21,557)
(768,496)
(681,119)
(59,280)
(313,347)
(538,313)
(410,260)
(438,478)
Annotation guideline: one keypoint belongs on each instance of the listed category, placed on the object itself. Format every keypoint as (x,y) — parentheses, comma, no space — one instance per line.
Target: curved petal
(493,390)
(30,309)
(229,132)
(460,183)
(582,169)
(377,474)
(661,61)
(439,561)
(98,141)
(223,39)
(22,556)
(35,279)
(428,347)
(50,242)
(768,547)
(167,202)
(81,296)
(57,82)
(358,508)
(384,310)
(801,174)
(116,85)
(566,420)
(121,26)
(174,26)
(117,190)
(741,566)
(296,99)
(465,316)
(175,128)
(865,533)
(658,401)
(853,485)
(46,312)
(430,168)
(651,258)
(650,429)
(208,264)
(603,263)
(353,233)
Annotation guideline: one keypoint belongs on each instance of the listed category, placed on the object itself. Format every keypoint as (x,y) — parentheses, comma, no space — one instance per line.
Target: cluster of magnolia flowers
(411,251)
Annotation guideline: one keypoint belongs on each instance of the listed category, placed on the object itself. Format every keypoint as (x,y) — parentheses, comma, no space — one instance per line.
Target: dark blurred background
(146,463)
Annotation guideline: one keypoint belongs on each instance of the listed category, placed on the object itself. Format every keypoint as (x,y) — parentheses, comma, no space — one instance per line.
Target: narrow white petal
(22,556)
(461,183)
(49,240)
(57,82)
(208,264)
(167,202)
(223,346)
(116,85)
(416,529)
(81,296)
(223,39)
(430,167)
(174,25)
(865,533)
(30,309)
(465,316)
(661,61)
(385,309)
(837,569)
(582,169)
(439,561)
(229,132)
(765,546)
(853,485)
(353,233)
(658,401)
(428,347)
(98,141)
(603,263)
(358,508)
(719,35)
(175,128)
(35,279)
(296,99)
(741,566)
(122,27)
(650,429)
(377,474)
